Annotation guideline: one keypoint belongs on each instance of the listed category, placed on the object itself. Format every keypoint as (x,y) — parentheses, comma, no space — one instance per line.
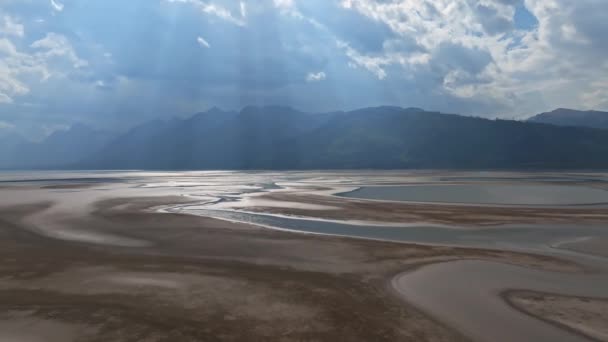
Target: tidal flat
(286,256)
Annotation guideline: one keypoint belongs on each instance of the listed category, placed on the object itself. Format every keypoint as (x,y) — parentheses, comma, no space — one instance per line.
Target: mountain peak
(275,137)
(573,117)
(215,110)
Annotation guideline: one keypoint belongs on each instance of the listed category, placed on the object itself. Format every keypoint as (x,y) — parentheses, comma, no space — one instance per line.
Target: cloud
(13,66)
(55,45)
(454,56)
(482,57)
(217,10)
(20,68)
(596,96)
(202,42)
(479,52)
(57,6)
(285,4)
(11,27)
(315,76)
(4,98)
(374,64)
(243,8)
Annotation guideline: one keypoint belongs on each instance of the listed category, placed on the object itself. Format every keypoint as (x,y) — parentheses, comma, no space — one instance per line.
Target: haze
(114,64)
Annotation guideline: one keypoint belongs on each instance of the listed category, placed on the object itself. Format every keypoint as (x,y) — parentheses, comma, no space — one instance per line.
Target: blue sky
(116,63)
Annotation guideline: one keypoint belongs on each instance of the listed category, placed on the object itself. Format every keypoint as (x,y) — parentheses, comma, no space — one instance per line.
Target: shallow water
(512,194)
(513,237)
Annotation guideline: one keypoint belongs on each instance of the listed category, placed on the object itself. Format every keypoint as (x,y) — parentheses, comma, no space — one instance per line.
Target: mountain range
(284,138)
(573,118)
(62,149)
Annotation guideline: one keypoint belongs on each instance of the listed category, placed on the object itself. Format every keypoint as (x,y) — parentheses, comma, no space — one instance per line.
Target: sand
(199,279)
(584,315)
(82,262)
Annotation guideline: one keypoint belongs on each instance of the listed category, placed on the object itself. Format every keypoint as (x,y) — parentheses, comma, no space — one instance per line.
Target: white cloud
(560,60)
(57,6)
(216,10)
(316,76)
(596,96)
(464,56)
(374,64)
(56,45)
(202,42)
(13,66)
(285,4)
(19,68)
(10,27)
(243,8)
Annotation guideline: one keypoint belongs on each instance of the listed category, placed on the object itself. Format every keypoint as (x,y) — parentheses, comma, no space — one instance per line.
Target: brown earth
(586,316)
(200,279)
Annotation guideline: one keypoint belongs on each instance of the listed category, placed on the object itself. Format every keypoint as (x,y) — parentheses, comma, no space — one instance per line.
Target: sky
(115,63)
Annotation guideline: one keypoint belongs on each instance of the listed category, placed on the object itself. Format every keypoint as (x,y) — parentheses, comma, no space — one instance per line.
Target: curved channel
(539,238)
(467,295)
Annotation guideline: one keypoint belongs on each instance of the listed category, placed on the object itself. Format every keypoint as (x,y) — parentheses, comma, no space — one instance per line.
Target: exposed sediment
(120,271)
(584,315)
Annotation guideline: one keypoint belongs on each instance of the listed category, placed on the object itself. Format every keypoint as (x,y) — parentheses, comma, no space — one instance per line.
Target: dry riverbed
(587,316)
(201,279)
(97,261)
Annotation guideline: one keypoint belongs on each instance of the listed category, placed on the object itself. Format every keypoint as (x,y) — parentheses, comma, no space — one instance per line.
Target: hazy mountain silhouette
(284,138)
(381,137)
(402,138)
(571,117)
(61,149)
(8,146)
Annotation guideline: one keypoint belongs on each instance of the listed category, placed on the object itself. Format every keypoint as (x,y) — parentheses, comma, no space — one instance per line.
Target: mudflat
(204,279)
(585,315)
(101,262)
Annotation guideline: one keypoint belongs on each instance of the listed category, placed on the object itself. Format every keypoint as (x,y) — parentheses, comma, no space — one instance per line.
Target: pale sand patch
(587,316)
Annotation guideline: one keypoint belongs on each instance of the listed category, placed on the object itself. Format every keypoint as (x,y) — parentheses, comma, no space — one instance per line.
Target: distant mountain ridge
(279,138)
(574,118)
(62,149)
(374,138)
